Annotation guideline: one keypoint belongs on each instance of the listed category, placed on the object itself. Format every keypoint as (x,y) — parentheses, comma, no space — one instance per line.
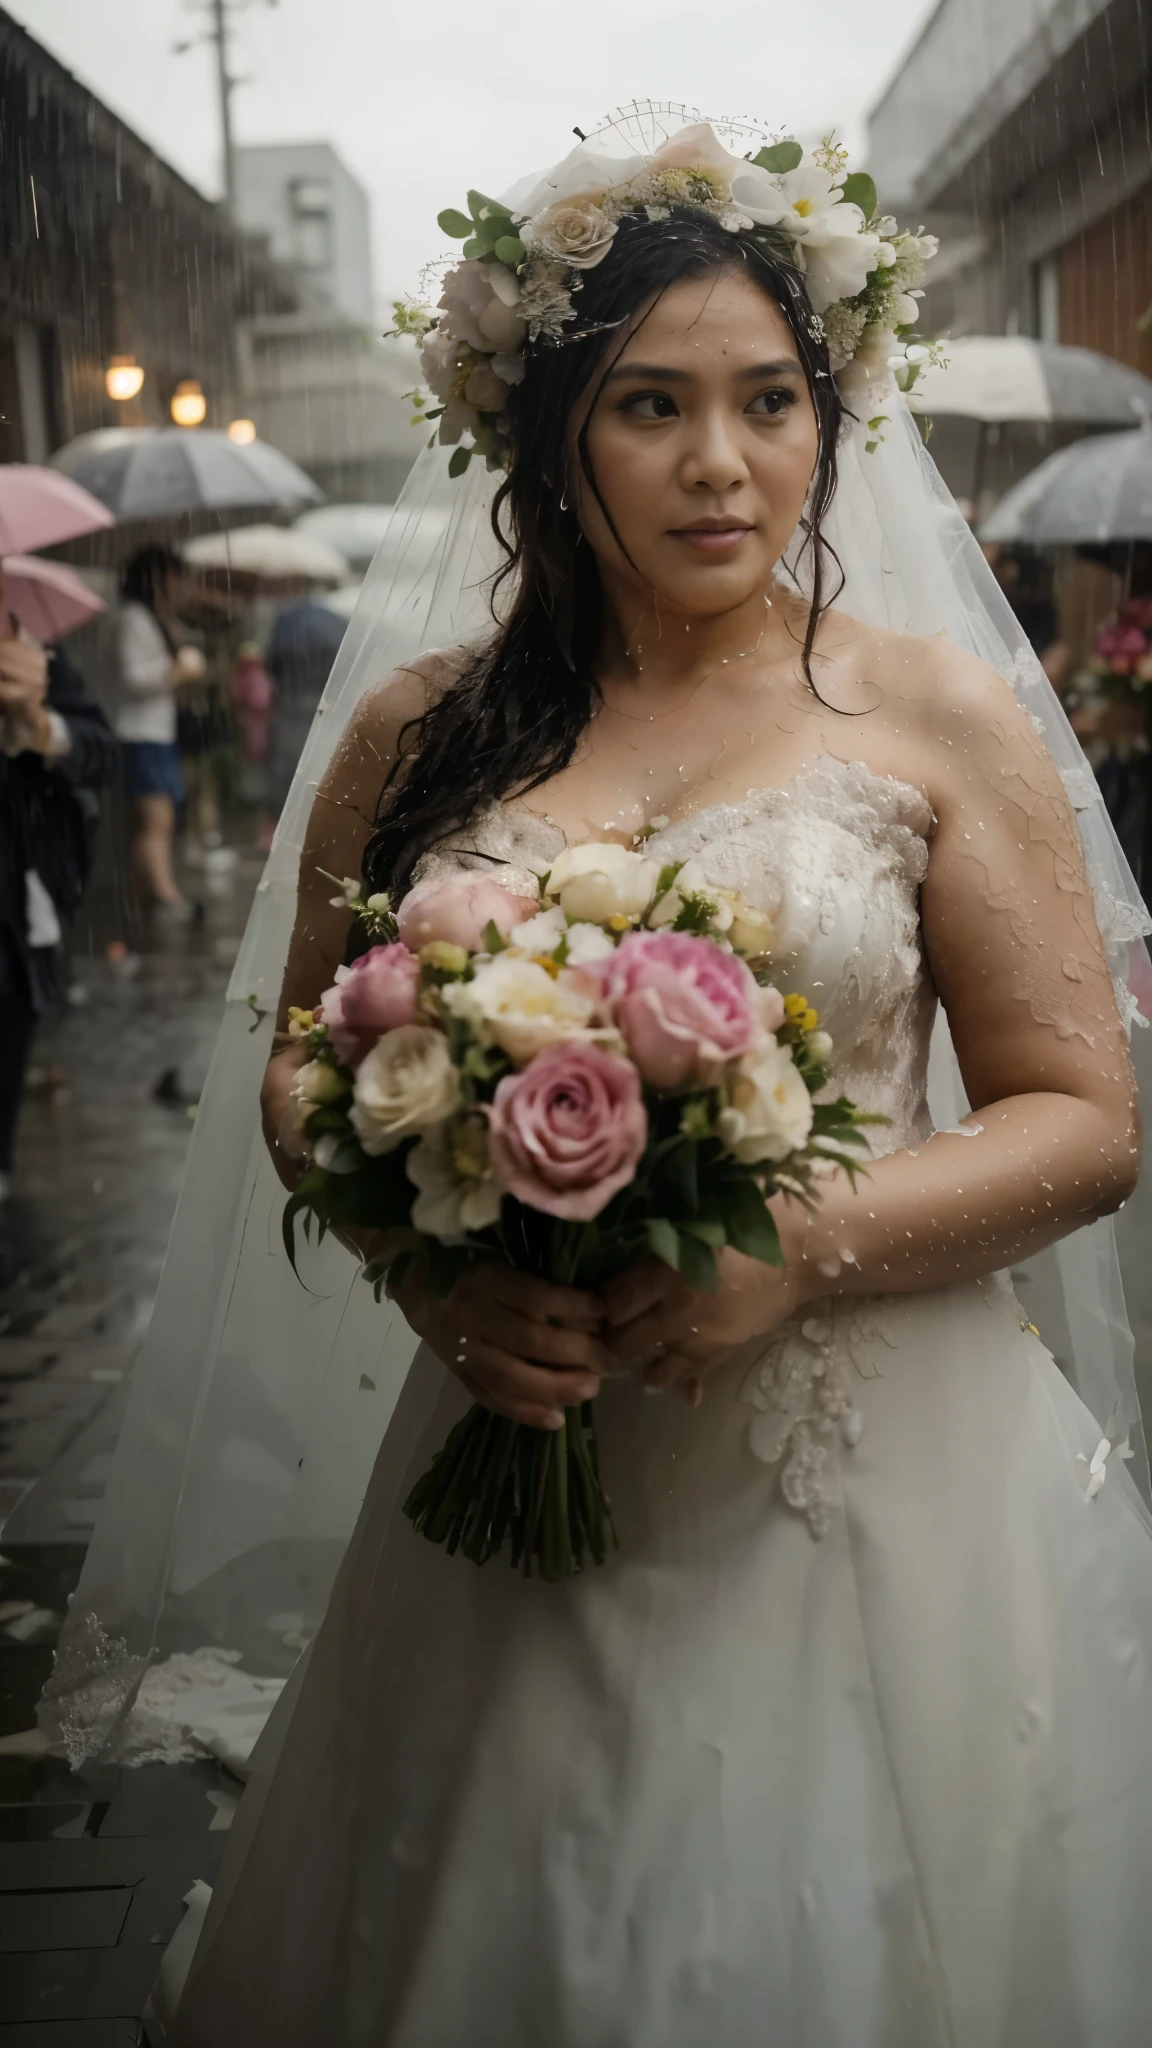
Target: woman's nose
(714,460)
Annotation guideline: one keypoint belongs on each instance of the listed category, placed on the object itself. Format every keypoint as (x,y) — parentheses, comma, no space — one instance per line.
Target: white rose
(905,311)
(769,1110)
(691,881)
(751,931)
(586,942)
(407,1083)
(542,933)
(518,1005)
(316,1082)
(596,882)
(575,231)
(457,1192)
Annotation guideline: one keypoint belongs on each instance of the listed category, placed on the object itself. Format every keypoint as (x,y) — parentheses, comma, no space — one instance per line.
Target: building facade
(316,219)
(1020,130)
(105,250)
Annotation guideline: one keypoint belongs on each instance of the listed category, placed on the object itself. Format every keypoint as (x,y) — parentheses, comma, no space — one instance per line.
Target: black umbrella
(150,473)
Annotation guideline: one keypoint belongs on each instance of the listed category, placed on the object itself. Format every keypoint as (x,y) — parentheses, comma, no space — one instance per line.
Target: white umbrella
(273,553)
(995,378)
(356,530)
(1095,492)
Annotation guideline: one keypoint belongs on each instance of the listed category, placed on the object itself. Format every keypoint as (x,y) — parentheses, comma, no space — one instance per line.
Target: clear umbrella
(1096,492)
(143,473)
(996,378)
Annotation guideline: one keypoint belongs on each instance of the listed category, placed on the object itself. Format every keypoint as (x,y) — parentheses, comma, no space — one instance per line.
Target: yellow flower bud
(795,1006)
(443,954)
(809,1019)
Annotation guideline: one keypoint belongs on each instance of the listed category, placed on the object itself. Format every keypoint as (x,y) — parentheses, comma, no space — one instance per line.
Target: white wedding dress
(850,1746)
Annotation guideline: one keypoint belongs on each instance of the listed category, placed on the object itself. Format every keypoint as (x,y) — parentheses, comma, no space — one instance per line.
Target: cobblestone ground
(93,1867)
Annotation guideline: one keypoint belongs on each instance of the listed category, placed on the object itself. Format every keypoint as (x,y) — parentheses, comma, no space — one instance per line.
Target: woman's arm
(338,828)
(1016,955)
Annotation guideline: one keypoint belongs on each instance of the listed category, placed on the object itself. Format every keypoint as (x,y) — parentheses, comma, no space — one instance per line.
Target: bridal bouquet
(564,1082)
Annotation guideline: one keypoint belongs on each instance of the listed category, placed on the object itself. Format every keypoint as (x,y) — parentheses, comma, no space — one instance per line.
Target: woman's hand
(188,666)
(660,1327)
(278,1112)
(522,1347)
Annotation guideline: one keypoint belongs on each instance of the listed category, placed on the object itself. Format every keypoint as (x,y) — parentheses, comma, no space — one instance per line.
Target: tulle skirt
(888,1787)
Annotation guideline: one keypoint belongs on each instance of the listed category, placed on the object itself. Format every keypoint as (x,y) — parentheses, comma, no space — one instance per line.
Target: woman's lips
(711,540)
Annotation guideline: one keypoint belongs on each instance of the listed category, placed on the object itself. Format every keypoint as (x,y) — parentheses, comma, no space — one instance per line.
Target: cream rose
(457,1191)
(406,1084)
(518,1005)
(316,1082)
(574,231)
(596,882)
(769,1110)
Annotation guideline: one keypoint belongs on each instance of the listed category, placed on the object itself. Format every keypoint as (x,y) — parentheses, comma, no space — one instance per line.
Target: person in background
(301,650)
(1025,577)
(251,691)
(152,668)
(55,750)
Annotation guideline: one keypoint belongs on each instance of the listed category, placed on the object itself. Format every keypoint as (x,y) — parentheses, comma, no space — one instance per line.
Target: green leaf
(678,1167)
(453,222)
(698,1264)
(860,190)
(490,208)
(708,1229)
(494,942)
(510,250)
(663,1241)
(781,157)
(749,1222)
(476,245)
(461,457)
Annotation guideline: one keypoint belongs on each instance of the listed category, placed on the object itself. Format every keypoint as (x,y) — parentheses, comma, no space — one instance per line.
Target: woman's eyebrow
(658,373)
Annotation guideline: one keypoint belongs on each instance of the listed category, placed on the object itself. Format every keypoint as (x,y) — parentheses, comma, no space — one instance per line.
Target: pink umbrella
(39,507)
(48,599)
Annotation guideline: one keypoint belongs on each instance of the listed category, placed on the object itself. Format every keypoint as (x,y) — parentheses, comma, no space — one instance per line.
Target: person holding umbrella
(55,750)
(151,669)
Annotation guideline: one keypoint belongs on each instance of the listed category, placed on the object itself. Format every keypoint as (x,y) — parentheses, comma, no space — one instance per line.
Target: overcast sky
(423,101)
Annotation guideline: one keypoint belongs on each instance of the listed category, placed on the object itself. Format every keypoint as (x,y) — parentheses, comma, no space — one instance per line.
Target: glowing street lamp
(123,378)
(243,432)
(189,404)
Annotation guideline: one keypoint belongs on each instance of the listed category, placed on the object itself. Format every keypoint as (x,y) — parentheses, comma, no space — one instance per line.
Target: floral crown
(524,258)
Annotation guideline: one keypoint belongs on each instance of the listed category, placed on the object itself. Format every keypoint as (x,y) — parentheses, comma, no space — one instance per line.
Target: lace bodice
(836,858)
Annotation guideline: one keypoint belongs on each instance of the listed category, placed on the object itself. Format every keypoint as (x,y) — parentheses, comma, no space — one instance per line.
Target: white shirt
(147,706)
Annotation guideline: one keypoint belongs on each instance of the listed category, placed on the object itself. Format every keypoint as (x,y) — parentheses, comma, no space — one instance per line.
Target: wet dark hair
(515,715)
(144,577)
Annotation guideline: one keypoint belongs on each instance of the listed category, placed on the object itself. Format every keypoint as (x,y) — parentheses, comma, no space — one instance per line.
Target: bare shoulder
(371,740)
(948,712)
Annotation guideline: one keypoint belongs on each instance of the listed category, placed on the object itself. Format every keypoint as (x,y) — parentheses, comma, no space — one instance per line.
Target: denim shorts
(152,768)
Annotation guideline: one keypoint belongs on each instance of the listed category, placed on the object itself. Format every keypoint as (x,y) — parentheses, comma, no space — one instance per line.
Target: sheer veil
(259,1403)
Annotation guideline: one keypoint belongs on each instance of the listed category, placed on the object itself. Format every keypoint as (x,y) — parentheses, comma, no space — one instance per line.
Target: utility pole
(220,13)
(225,83)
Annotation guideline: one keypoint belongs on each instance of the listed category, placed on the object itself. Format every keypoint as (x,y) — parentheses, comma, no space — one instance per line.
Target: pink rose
(567,1131)
(376,994)
(684,1007)
(460,910)
(479,304)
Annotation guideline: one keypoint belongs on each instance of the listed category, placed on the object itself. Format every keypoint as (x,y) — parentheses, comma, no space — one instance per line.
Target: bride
(849,1746)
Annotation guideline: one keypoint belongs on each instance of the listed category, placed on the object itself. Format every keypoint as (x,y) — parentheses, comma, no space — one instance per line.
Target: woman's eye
(651,405)
(772,403)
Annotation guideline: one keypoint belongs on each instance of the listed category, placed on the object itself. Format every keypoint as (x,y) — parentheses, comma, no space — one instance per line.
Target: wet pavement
(93,1866)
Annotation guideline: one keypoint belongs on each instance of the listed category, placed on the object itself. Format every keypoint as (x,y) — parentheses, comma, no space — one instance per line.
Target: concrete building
(106,250)
(315,216)
(1020,130)
(322,383)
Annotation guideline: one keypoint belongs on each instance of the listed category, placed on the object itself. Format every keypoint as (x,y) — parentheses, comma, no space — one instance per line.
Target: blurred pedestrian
(55,750)
(303,646)
(252,699)
(152,668)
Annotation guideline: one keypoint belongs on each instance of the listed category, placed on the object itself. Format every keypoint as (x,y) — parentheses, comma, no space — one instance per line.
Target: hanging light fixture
(243,432)
(189,404)
(123,378)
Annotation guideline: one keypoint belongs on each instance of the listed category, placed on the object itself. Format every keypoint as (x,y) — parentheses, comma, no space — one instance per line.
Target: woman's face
(702,440)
